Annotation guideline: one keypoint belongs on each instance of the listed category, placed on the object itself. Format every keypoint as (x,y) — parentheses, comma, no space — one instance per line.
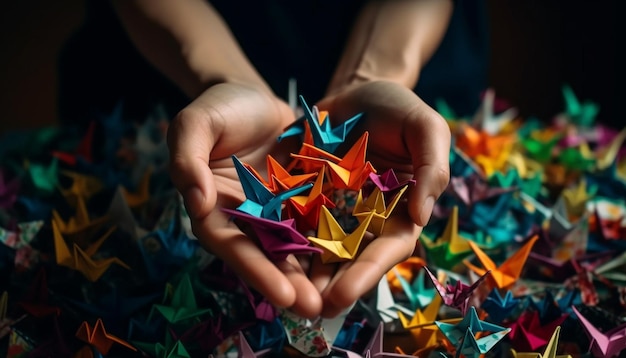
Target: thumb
(190,142)
(427,137)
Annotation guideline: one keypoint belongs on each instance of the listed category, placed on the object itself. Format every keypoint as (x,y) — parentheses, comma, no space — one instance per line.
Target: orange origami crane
(305,209)
(279,179)
(349,172)
(337,245)
(99,338)
(375,204)
(508,273)
(81,260)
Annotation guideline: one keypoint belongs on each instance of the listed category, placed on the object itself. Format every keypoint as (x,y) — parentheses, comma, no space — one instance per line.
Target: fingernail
(426,211)
(194,200)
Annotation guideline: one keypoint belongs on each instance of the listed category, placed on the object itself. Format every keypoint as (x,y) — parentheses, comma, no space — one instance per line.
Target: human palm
(405,135)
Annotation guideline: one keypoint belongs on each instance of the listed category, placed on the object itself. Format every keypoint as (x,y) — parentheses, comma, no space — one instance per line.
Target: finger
(321,274)
(223,238)
(427,137)
(190,143)
(395,245)
(308,302)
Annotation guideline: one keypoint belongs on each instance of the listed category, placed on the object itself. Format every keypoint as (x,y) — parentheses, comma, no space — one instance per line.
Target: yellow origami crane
(80,227)
(548,352)
(279,179)
(606,155)
(349,172)
(375,204)
(576,199)
(81,260)
(337,245)
(83,186)
(142,194)
(422,324)
(508,273)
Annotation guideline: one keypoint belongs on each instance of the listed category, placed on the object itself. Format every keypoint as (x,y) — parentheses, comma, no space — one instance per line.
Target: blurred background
(537,46)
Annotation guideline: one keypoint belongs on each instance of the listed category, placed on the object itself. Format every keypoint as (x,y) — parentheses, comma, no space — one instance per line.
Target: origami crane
(476,347)
(528,333)
(305,335)
(266,335)
(498,307)
(337,245)
(317,125)
(82,260)
(80,227)
(604,344)
(245,351)
(182,306)
(141,194)
(486,120)
(305,209)
(374,347)
(416,292)
(349,172)
(582,114)
(84,150)
(457,295)
(462,334)
(548,352)
(388,183)
(382,306)
(278,239)
(508,273)
(375,204)
(450,248)
(171,348)
(422,325)
(260,201)
(20,241)
(279,179)
(98,337)
(84,186)
(45,178)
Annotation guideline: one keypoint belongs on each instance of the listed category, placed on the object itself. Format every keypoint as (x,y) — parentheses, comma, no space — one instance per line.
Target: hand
(245,121)
(405,134)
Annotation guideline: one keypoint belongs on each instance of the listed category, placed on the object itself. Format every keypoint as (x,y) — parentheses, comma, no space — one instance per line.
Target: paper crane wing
(278,239)
(337,245)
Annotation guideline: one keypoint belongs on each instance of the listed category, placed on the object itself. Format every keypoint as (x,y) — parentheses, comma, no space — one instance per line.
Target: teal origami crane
(416,292)
(462,334)
(260,201)
(582,114)
(324,136)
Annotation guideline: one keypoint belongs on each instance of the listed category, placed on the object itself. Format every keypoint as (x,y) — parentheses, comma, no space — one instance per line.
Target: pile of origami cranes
(524,255)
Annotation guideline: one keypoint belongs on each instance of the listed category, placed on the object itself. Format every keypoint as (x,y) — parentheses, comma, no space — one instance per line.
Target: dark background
(537,46)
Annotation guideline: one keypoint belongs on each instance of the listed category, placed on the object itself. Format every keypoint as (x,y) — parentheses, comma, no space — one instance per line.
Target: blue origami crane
(498,307)
(260,201)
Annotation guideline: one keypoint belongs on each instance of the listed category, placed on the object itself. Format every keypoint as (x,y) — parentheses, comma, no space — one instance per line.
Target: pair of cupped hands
(227,119)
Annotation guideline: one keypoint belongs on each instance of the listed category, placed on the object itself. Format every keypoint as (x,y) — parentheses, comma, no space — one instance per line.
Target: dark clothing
(284,39)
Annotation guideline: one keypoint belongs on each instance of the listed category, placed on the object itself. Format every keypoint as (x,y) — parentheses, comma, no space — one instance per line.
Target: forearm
(188,41)
(392,40)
